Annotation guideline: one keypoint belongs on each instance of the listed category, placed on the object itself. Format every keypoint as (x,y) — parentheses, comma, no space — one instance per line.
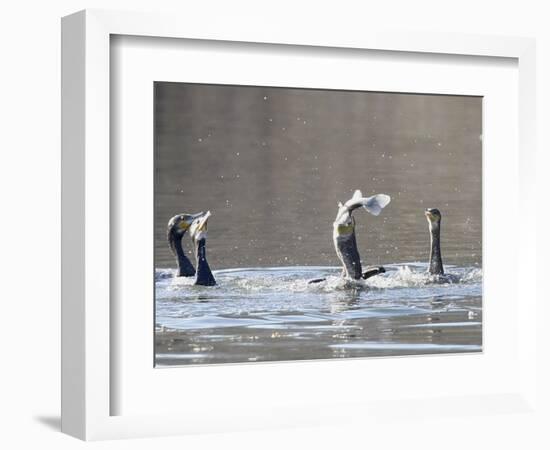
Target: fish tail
(373,205)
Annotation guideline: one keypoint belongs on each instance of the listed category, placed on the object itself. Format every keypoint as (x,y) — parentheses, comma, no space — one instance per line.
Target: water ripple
(259,314)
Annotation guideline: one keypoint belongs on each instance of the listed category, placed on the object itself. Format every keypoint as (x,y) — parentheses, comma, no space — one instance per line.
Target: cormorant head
(180,223)
(433,215)
(198,227)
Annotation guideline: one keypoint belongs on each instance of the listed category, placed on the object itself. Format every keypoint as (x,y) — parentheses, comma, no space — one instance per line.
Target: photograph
(297,224)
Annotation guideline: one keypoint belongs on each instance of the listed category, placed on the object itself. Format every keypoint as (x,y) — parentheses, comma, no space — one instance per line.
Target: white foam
(408,280)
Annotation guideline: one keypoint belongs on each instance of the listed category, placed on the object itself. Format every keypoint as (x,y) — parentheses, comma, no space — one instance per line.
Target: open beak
(201,221)
(196,216)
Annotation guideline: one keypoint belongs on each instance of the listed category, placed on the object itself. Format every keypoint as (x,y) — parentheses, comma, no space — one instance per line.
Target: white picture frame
(87,316)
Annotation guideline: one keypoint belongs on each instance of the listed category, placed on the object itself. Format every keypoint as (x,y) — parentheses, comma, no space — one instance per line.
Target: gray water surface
(273,314)
(271,165)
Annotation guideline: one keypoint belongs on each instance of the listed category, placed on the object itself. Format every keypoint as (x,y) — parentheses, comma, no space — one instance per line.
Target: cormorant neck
(185,268)
(436,263)
(204,274)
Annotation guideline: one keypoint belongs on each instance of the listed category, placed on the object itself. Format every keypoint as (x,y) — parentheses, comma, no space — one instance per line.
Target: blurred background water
(271,164)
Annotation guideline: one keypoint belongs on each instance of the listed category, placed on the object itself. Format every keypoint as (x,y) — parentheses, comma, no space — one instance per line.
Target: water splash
(295,279)
(416,275)
(273,313)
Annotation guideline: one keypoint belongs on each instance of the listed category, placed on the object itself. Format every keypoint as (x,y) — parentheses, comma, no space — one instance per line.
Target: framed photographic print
(266,215)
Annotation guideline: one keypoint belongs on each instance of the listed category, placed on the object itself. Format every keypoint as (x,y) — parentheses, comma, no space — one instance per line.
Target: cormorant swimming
(434,221)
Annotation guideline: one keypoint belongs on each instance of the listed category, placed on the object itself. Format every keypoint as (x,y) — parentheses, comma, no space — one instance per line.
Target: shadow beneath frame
(51,422)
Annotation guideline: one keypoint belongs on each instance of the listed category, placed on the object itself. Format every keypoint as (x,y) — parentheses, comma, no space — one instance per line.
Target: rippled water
(273,314)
